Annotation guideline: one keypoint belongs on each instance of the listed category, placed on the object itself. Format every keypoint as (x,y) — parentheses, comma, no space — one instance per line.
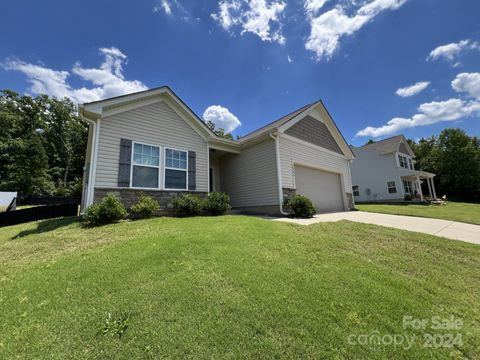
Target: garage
(322,187)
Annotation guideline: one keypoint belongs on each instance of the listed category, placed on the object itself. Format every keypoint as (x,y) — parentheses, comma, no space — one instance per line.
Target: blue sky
(252,61)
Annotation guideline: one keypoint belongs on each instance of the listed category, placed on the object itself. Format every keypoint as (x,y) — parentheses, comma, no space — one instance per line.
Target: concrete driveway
(445,228)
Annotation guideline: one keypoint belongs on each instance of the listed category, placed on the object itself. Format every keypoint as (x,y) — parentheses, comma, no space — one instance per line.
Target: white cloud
(312,6)
(413,89)
(329,27)
(429,113)
(289,59)
(108,79)
(436,111)
(452,51)
(468,83)
(165,6)
(259,17)
(222,118)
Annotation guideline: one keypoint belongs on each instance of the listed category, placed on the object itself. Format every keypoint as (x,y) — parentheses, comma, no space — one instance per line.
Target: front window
(403,161)
(145,166)
(175,169)
(410,163)
(407,185)
(392,188)
(356,192)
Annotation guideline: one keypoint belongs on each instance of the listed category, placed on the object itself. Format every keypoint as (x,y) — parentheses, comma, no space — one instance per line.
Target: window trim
(395,186)
(132,164)
(357,191)
(165,168)
(409,186)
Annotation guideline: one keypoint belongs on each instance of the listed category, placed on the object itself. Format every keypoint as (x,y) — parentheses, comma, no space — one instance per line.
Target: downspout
(274,135)
(89,194)
(351,180)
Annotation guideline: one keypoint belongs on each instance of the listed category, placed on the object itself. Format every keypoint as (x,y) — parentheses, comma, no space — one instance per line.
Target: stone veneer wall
(287,194)
(130,196)
(350,201)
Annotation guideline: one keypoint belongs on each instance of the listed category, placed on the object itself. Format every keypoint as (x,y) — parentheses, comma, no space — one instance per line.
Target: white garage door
(322,187)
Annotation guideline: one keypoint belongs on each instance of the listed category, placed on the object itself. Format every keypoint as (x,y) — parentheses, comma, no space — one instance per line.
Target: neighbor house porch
(412,186)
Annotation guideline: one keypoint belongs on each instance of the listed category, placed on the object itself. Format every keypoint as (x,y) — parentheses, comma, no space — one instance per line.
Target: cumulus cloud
(436,111)
(452,51)
(327,29)
(222,118)
(467,83)
(259,17)
(413,89)
(108,80)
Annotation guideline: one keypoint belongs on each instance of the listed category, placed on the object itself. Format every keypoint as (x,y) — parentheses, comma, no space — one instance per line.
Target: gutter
(274,135)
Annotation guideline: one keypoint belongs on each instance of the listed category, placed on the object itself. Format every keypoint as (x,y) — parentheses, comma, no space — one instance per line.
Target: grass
(229,287)
(455,211)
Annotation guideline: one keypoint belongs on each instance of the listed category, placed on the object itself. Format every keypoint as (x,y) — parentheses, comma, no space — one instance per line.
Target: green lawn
(455,211)
(231,287)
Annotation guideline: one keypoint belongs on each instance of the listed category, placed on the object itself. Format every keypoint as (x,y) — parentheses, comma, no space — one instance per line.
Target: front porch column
(433,188)
(419,187)
(429,188)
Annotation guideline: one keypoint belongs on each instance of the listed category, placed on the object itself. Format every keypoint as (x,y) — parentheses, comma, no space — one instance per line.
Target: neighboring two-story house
(384,171)
(152,142)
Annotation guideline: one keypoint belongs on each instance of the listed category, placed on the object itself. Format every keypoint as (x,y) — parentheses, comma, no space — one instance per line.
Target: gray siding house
(152,142)
(384,171)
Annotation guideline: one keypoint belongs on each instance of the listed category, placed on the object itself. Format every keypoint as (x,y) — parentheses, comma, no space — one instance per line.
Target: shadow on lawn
(47,225)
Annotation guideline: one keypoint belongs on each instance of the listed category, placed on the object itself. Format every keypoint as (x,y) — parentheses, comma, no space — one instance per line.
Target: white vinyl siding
(250,178)
(293,152)
(151,124)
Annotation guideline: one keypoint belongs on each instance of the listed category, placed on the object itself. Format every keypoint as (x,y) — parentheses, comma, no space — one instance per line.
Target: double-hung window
(410,163)
(175,169)
(391,186)
(403,161)
(145,166)
(407,186)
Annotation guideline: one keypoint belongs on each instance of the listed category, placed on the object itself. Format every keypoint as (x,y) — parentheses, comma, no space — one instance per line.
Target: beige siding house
(152,142)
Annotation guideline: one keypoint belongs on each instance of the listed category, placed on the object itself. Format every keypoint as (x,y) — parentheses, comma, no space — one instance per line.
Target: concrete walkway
(445,228)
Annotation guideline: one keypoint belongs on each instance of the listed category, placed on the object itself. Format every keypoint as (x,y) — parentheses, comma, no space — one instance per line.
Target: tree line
(42,145)
(454,157)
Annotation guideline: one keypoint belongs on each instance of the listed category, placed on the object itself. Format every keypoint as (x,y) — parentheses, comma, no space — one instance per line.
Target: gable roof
(389,145)
(276,123)
(96,108)
(290,119)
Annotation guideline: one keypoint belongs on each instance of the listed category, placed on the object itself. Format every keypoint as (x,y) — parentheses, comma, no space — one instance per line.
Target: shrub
(110,209)
(187,205)
(217,203)
(301,206)
(145,207)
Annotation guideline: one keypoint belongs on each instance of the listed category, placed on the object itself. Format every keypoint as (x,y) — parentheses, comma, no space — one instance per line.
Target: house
(384,171)
(152,142)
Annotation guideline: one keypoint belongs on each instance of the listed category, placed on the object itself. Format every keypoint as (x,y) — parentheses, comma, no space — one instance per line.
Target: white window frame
(395,185)
(404,159)
(132,164)
(410,163)
(357,191)
(165,168)
(407,184)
